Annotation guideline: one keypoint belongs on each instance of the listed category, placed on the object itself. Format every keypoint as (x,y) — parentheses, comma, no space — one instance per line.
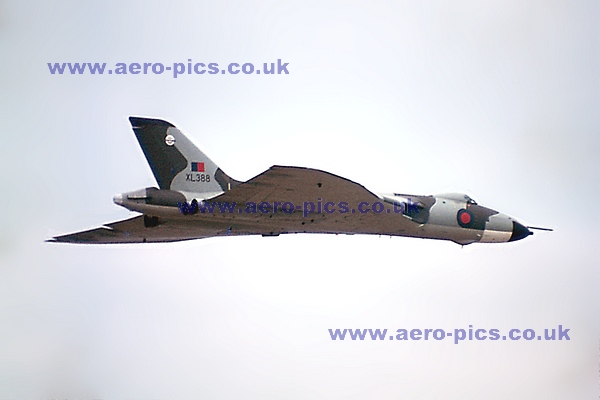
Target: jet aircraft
(195,199)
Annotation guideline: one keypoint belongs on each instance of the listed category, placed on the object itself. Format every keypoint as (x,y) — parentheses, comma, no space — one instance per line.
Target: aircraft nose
(519,232)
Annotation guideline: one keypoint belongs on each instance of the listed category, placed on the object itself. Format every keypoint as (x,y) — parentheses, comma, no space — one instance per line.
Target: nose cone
(519,232)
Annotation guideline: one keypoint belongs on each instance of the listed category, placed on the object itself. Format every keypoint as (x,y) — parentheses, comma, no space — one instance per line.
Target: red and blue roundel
(465,218)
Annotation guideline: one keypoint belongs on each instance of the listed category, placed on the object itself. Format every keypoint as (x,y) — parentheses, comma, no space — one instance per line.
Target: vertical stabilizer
(177,164)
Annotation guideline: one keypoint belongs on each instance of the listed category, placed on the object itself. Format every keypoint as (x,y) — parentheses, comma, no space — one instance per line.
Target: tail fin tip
(139,122)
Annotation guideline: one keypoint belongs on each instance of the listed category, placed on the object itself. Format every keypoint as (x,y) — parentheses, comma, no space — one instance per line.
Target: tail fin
(176,163)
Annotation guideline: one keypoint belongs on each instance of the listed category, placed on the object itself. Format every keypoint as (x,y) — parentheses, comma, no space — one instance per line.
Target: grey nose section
(519,232)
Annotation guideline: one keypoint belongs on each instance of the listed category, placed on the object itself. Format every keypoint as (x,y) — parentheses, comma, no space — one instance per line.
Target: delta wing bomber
(195,199)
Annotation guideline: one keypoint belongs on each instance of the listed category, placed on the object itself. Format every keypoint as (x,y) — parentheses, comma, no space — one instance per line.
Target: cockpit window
(469,200)
(459,197)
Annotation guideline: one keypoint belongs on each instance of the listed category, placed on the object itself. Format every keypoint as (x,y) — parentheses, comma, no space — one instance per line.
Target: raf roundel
(169,140)
(464,218)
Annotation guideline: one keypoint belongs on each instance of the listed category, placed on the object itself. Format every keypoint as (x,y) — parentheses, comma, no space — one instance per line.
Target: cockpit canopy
(457,197)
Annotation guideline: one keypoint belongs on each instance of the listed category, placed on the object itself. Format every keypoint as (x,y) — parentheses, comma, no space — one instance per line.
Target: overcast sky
(498,100)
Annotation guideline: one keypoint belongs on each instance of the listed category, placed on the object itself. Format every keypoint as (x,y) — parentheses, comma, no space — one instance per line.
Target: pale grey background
(499,100)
